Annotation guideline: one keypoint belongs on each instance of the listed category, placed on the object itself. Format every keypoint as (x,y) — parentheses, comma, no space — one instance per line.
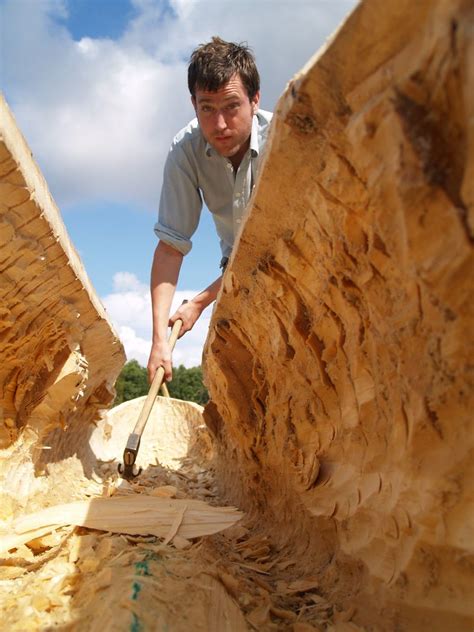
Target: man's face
(225,118)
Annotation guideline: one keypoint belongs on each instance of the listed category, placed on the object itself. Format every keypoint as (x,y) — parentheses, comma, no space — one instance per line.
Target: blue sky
(98,18)
(98,88)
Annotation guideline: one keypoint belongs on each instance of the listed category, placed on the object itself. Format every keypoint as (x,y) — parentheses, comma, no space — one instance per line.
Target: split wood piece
(134,515)
(223,612)
(177,522)
(13,540)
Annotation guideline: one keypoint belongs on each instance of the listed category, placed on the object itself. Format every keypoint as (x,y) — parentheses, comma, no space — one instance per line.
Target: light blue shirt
(195,173)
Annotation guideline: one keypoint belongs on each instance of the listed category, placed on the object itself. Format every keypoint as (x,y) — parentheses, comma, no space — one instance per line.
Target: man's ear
(193,101)
(255,102)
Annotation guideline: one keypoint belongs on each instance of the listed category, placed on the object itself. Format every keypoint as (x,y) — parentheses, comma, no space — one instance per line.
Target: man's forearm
(164,278)
(192,310)
(205,298)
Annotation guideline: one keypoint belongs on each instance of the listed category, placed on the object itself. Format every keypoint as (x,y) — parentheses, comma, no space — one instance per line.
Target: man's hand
(188,312)
(164,277)
(160,355)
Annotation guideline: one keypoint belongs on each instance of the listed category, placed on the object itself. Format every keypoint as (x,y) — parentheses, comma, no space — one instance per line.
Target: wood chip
(181,543)
(258,568)
(284,565)
(103,579)
(104,548)
(11,572)
(302,585)
(165,491)
(88,564)
(231,583)
(259,615)
(175,526)
(344,615)
(135,515)
(223,614)
(236,533)
(281,613)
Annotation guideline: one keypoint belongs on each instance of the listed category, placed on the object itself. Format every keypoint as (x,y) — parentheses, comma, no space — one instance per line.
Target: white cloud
(99,114)
(125,281)
(136,348)
(129,307)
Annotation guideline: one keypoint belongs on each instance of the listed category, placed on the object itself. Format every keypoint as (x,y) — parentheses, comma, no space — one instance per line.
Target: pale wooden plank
(134,515)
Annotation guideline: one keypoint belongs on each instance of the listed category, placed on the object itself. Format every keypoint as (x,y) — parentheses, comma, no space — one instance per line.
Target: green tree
(187,384)
(132,382)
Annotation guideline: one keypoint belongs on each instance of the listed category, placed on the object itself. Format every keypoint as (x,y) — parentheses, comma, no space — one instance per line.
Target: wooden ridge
(133,515)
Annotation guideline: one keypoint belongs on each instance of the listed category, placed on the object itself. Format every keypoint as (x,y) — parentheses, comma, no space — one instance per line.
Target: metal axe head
(129,458)
(126,471)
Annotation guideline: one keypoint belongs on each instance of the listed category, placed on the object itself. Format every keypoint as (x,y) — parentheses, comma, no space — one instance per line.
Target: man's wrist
(158,340)
(200,303)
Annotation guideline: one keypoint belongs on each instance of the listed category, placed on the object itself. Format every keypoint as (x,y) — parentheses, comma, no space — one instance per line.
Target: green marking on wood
(142,569)
(135,626)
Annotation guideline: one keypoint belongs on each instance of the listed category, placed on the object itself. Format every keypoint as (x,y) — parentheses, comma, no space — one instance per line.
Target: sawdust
(85,579)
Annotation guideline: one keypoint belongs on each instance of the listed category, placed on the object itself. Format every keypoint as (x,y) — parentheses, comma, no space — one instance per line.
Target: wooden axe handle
(155,385)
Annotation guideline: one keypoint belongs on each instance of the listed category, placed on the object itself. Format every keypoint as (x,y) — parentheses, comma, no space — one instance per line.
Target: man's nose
(220,121)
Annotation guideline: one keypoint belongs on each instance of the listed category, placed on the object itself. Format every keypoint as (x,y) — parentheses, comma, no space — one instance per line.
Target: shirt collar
(254,149)
(254,136)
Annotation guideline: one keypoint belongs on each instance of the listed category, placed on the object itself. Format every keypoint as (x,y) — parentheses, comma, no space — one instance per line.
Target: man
(213,159)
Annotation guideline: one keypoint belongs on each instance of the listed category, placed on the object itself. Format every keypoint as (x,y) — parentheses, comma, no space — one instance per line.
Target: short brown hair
(212,65)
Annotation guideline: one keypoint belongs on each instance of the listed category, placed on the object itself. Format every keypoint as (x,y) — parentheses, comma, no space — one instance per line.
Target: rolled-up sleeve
(180,202)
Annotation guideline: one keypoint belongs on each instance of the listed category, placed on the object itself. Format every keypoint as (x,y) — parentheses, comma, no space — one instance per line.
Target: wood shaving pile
(85,579)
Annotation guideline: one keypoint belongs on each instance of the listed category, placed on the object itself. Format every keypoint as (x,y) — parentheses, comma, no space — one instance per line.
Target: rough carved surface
(338,365)
(338,358)
(59,356)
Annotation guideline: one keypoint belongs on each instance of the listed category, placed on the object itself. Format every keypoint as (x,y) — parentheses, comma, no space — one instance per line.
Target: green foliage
(186,384)
(132,382)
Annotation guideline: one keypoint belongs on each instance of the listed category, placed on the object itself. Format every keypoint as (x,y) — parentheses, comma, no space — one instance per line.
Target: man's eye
(232,106)
(206,108)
